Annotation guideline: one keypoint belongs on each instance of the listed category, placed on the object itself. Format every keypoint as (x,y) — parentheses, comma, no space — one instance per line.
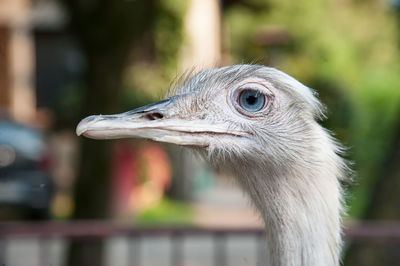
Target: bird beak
(155,121)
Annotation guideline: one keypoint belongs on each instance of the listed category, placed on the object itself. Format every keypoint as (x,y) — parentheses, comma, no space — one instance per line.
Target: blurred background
(66,200)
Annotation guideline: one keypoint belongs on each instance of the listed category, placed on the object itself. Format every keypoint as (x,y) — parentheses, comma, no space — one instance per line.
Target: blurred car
(25,182)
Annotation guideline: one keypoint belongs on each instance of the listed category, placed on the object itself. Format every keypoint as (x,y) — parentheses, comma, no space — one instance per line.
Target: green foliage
(146,78)
(346,50)
(168,33)
(143,82)
(167,212)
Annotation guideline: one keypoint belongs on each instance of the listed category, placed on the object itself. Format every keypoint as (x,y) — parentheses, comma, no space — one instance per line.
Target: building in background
(17,92)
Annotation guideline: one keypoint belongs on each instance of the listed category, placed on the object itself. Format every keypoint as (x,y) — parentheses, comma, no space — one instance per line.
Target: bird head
(244,111)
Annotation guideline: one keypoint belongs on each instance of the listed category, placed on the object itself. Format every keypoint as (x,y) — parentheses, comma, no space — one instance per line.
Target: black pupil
(252,99)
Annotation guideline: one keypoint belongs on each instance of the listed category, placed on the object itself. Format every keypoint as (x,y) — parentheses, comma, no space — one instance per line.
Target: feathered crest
(177,84)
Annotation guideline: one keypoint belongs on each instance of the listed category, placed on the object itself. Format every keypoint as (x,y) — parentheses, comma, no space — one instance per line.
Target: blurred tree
(106,32)
(384,201)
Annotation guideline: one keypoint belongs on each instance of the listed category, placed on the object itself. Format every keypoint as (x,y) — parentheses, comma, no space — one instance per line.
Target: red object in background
(124,174)
(158,165)
(141,174)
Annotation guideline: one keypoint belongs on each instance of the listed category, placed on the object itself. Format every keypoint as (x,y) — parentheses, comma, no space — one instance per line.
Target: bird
(261,126)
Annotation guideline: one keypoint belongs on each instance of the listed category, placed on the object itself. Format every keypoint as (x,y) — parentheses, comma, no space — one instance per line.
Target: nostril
(154,116)
(158,115)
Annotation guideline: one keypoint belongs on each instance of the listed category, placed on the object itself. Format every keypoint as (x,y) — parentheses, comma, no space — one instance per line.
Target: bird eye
(251,100)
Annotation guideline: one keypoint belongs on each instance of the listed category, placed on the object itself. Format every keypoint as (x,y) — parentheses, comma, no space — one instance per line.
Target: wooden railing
(383,232)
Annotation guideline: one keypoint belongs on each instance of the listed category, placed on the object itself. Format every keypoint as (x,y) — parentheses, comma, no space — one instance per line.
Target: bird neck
(300,204)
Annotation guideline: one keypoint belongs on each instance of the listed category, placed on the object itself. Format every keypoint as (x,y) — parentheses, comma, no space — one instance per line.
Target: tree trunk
(92,188)
(106,32)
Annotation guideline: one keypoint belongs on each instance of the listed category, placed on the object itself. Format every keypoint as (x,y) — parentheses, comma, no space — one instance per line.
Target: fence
(221,238)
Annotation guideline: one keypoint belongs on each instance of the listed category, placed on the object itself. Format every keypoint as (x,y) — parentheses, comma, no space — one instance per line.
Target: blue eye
(251,100)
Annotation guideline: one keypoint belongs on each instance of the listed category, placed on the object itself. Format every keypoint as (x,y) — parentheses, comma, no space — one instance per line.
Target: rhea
(259,125)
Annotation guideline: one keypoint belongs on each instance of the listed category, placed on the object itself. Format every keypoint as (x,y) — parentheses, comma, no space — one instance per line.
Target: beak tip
(80,129)
(83,126)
